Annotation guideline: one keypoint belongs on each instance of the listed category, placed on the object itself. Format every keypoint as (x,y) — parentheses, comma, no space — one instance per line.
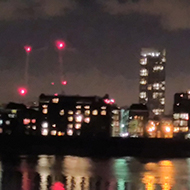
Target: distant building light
(33,120)
(70,132)
(26,121)
(78,118)
(55,100)
(61,112)
(103,107)
(87,112)
(45,106)
(60,133)
(45,111)
(87,119)
(7,122)
(70,112)
(56,94)
(1,121)
(86,107)
(77,126)
(34,127)
(143,81)
(54,125)
(107,101)
(78,107)
(78,112)
(70,126)
(45,124)
(95,112)
(70,118)
(53,132)
(44,132)
(103,112)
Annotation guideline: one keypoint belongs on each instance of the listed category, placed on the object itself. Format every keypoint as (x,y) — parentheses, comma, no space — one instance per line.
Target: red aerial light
(60,44)
(64,82)
(26,121)
(28,49)
(22,91)
(52,83)
(112,101)
(55,94)
(57,186)
(107,101)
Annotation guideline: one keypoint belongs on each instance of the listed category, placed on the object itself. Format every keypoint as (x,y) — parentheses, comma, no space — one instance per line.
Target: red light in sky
(22,91)
(52,83)
(60,44)
(28,49)
(107,101)
(57,186)
(64,82)
(112,101)
(55,94)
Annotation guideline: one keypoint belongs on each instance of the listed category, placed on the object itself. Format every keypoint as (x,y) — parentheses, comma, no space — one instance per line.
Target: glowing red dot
(64,82)
(28,49)
(55,94)
(22,91)
(57,186)
(60,44)
(52,83)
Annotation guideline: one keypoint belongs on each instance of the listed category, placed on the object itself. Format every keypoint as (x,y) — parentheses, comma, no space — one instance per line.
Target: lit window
(11,115)
(158,68)
(54,125)
(34,127)
(55,100)
(156,86)
(163,59)
(142,95)
(61,112)
(143,81)
(70,132)
(70,118)
(103,107)
(70,112)
(143,61)
(53,133)
(26,121)
(162,101)
(158,111)
(86,107)
(95,112)
(87,112)
(77,126)
(181,95)
(78,107)
(143,72)
(45,124)
(78,112)
(45,111)
(70,126)
(33,120)
(44,132)
(115,111)
(60,133)
(176,115)
(78,118)
(87,119)
(184,116)
(1,121)
(1,130)
(103,112)
(157,95)
(44,106)
(149,87)
(7,122)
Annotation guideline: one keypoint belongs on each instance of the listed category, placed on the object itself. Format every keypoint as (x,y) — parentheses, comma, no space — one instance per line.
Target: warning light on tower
(64,82)
(22,91)
(28,49)
(60,44)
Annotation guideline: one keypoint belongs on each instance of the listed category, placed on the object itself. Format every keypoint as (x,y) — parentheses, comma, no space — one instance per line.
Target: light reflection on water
(79,173)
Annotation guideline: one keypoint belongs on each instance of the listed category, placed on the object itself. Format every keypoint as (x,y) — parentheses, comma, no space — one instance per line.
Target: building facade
(152,80)
(181,112)
(78,116)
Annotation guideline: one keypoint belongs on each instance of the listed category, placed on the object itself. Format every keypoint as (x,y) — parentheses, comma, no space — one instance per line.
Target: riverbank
(95,147)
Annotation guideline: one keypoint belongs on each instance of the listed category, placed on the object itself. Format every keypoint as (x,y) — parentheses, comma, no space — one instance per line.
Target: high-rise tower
(152,80)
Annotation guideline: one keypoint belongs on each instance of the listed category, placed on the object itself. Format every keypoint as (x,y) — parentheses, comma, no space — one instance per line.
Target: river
(56,172)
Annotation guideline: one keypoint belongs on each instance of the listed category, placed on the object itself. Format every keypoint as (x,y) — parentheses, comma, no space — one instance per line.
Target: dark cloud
(17,9)
(173,14)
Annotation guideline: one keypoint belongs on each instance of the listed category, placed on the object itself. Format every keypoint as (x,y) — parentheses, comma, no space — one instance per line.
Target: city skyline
(103,46)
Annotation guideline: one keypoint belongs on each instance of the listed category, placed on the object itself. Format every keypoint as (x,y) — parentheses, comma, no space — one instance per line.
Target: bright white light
(7,122)
(45,124)
(1,121)
(44,132)
(124,135)
(78,118)
(87,119)
(70,132)
(34,127)
(168,129)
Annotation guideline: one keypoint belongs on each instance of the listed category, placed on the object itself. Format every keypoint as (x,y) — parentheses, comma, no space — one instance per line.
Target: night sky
(103,38)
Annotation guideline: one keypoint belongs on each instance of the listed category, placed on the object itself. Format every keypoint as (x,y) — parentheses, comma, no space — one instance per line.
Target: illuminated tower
(152,80)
